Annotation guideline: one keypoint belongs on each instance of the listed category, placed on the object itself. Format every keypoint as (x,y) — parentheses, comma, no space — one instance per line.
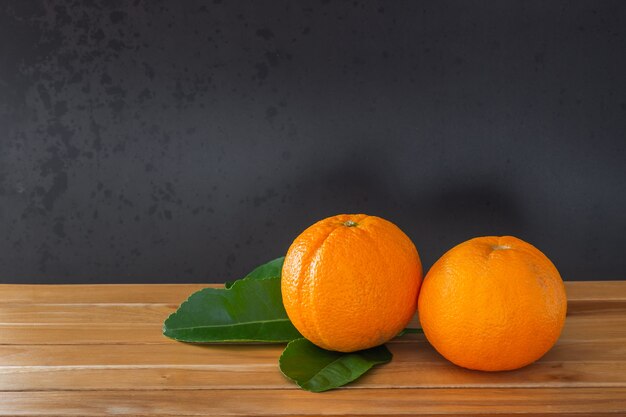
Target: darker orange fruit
(493,304)
(350,282)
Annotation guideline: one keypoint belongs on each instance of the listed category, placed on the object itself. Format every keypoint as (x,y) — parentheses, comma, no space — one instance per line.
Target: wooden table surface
(90,350)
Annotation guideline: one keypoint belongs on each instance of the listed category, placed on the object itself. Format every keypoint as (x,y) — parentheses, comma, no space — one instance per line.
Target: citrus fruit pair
(351,282)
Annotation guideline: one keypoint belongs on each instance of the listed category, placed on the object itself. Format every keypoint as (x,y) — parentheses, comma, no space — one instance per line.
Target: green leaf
(269,270)
(250,311)
(410,330)
(316,369)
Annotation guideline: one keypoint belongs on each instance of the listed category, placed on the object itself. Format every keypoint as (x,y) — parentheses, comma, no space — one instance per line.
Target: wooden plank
(596,290)
(594,327)
(99,293)
(417,402)
(131,378)
(596,307)
(177,293)
(397,374)
(183,366)
(585,326)
(146,314)
(85,314)
(577,327)
(417,352)
(71,334)
(173,353)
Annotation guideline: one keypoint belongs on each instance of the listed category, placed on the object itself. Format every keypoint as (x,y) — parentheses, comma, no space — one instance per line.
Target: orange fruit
(350,282)
(492,304)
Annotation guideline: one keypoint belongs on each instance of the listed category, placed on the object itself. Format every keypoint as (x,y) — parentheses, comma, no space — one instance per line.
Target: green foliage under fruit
(250,310)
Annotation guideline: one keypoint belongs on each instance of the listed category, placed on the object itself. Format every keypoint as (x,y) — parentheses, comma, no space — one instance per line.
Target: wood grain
(177,293)
(83,314)
(174,353)
(266,375)
(96,349)
(344,402)
(77,334)
(183,366)
(142,323)
(99,293)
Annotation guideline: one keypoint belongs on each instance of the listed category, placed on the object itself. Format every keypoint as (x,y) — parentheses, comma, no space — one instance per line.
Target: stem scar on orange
(492,304)
(350,282)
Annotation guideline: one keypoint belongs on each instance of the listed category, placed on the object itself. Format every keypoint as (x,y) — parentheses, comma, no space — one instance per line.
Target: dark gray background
(188,141)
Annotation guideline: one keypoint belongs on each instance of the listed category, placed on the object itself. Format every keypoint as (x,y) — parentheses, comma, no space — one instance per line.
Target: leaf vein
(230,324)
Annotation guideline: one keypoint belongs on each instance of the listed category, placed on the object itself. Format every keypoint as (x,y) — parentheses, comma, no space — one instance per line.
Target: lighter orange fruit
(350,282)
(492,304)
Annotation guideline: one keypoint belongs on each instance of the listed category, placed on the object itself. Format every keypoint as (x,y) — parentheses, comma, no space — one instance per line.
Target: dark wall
(188,141)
